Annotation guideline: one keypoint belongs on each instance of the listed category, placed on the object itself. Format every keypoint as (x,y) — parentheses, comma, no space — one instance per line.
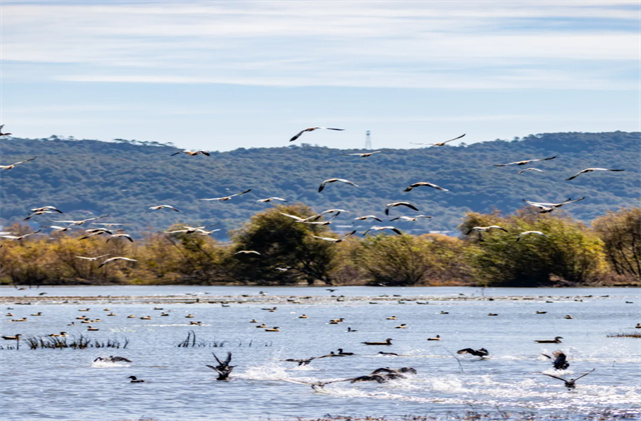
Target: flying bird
(364,154)
(247,252)
(164,207)
(410,218)
(425,184)
(19,237)
(12,166)
(336,240)
(191,153)
(46,208)
(485,229)
(476,352)
(530,169)
(366,217)
(271,199)
(529,233)
(527,161)
(92,259)
(560,360)
(570,384)
(311,129)
(3,133)
(545,207)
(395,204)
(226,198)
(127,236)
(588,170)
(333,180)
(223,368)
(439,143)
(389,227)
(82,221)
(113,259)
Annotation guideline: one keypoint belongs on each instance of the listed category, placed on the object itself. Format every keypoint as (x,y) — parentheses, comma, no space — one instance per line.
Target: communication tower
(368,141)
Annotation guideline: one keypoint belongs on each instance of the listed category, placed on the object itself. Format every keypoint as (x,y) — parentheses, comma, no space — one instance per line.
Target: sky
(221,75)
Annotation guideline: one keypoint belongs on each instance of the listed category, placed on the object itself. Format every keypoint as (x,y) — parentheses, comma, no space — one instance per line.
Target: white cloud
(466,45)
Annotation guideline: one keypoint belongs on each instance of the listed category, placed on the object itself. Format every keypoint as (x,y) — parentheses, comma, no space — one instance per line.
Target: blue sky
(220,75)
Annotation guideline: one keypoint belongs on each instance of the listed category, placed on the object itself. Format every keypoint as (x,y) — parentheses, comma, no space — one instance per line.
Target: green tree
(621,234)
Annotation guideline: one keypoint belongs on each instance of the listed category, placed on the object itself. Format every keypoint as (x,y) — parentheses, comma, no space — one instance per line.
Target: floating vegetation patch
(624,335)
(191,342)
(82,342)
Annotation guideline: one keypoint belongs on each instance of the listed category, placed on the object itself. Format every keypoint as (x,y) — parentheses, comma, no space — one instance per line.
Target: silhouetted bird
(223,368)
(311,129)
(570,384)
(560,360)
(476,352)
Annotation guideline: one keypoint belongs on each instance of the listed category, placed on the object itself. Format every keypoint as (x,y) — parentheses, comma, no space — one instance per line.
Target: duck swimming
(556,340)
(476,352)
(388,341)
(134,379)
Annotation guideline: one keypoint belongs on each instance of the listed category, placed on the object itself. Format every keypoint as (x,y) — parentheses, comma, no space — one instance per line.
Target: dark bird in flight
(439,143)
(476,352)
(191,153)
(311,129)
(426,184)
(223,368)
(560,360)
(587,170)
(333,180)
(3,133)
(527,161)
(380,375)
(226,198)
(12,166)
(395,204)
(570,384)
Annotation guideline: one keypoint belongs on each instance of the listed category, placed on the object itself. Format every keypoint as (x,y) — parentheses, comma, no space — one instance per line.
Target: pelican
(271,199)
(82,221)
(12,166)
(560,360)
(186,230)
(485,229)
(164,207)
(95,231)
(424,184)
(305,221)
(247,252)
(395,204)
(545,207)
(530,169)
(122,235)
(311,129)
(570,384)
(366,217)
(531,232)
(388,341)
(336,212)
(409,218)
(587,170)
(191,153)
(336,240)
(226,198)
(527,161)
(364,154)
(19,237)
(439,143)
(389,227)
(333,180)
(2,133)
(556,340)
(476,352)
(113,259)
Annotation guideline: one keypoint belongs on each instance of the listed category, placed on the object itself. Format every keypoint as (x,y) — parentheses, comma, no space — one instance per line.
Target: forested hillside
(86,178)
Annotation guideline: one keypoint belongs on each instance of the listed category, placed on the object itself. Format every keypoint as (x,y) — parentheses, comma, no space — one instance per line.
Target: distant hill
(122,179)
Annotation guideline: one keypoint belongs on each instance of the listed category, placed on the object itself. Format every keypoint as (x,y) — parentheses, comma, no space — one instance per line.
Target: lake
(66,384)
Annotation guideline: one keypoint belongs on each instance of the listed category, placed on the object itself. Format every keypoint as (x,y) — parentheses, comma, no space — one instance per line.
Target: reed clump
(81,342)
(191,342)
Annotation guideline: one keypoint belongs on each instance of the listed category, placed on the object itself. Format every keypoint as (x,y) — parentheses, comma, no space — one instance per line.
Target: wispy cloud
(465,45)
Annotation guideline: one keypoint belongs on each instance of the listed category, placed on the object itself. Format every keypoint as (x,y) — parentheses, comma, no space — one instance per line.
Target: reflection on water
(68,384)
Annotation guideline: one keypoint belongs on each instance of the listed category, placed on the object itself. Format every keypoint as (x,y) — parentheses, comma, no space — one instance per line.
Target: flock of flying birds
(107,229)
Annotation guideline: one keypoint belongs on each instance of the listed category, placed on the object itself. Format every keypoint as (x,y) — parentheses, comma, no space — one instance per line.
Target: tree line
(275,249)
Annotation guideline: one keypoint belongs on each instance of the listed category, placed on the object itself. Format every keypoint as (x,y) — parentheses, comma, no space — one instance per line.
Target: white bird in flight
(363,154)
(529,233)
(163,207)
(530,169)
(395,204)
(271,199)
(410,218)
(191,153)
(389,227)
(545,207)
(336,240)
(588,170)
(439,143)
(12,166)
(226,198)
(311,129)
(366,217)
(113,259)
(527,161)
(333,180)
(424,184)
